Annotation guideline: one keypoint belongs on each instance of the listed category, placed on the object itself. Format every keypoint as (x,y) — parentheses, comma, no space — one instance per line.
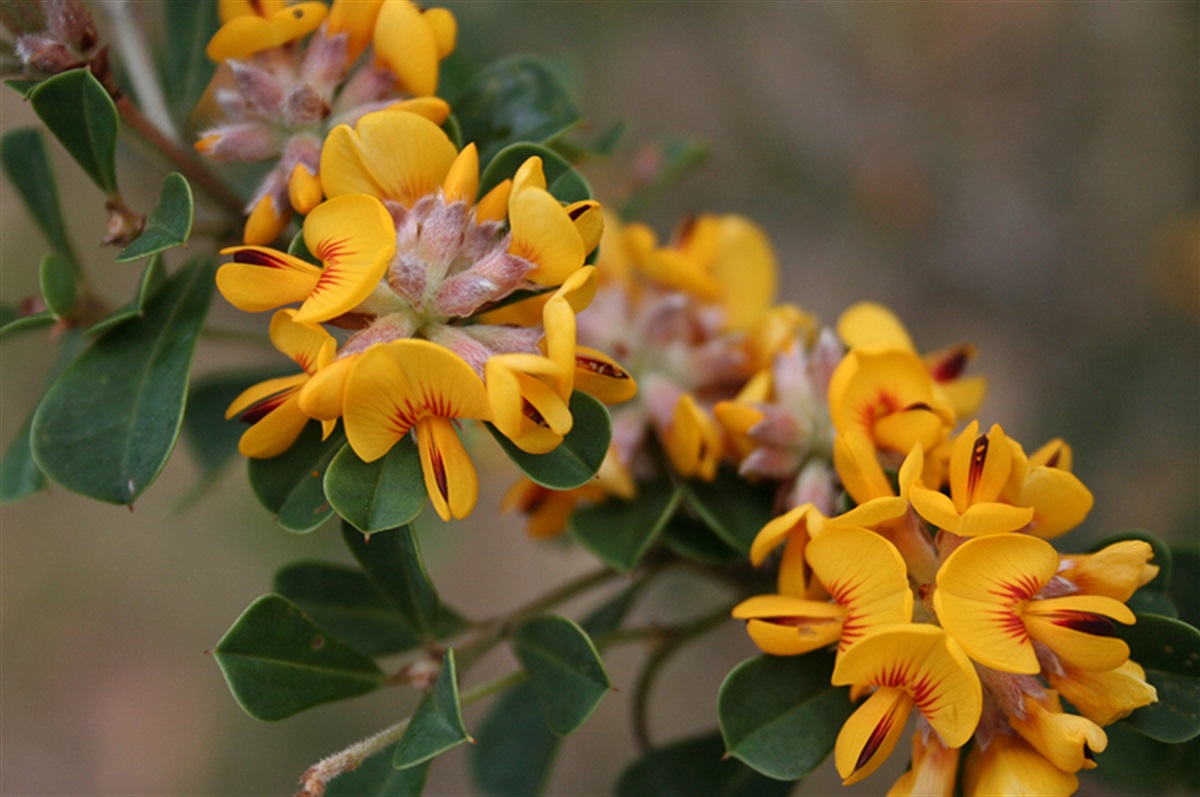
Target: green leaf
(169,223)
(379,495)
(1185,592)
(22,86)
(154,276)
(515,99)
(608,616)
(392,561)
(291,484)
(619,532)
(562,179)
(376,777)
(673,158)
(566,671)
(692,539)
(107,426)
(436,725)
(83,118)
(57,277)
(185,66)
(212,439)
(1138,764)
(577,459)
(27,323)
(28,167)
(343,600)
(731,506)
(780,715)
(695,766)
(277,662)
(516,748)
(1169,650)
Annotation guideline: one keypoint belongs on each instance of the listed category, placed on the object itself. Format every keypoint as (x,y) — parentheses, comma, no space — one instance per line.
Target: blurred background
(1024,177)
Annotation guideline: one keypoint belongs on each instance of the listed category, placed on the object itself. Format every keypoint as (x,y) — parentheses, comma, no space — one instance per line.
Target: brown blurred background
(1020,176)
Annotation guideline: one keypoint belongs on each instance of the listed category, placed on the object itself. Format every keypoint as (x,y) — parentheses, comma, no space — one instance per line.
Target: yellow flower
(1107,696)
(1009,765)
(248,30)
(988,598)
(1066,740)
(911,665)
(1116,571)
(273,406)
(933,770)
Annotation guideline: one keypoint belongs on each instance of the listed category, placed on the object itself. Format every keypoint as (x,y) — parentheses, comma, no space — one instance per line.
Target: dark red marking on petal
(1022,588)
(950,363)
(1087,622)
(530,412)
(257,258)
(575,213)
(265,407)
(877,737)
(439,471)
(1011,623)
(330,251)
(599,367)
(978,459)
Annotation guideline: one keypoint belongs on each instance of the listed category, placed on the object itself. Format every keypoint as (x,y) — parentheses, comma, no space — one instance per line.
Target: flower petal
(462,180)
(445,29)
(275,432)
(1116,571)
(244,36)
(602,377)
(544,234)
(355,18)
(255,394)
(868,324)
(1066,740)
(1060,501)
(588,219)
(793,525)
(785,626)
(309,347)
(323,395)
(744,266)
(1008,765)
(1078,629)
(405,155)
(406,45)
(1105,697)
(859,468)
(693,441)
(871,733)
(450,477)
(493,206)
(262,279)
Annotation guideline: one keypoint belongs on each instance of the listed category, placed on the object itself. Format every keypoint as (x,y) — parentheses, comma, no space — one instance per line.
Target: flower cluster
(939,588)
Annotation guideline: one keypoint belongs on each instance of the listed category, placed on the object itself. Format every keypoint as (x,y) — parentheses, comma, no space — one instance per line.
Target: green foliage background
(1004,174)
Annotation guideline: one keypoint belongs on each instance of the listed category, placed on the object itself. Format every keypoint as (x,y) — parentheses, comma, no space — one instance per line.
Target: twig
(132,47)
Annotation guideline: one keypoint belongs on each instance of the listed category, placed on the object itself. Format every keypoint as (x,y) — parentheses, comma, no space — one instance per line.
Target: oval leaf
(620,532)
(1169,650)
(27,323)
(780,715)
(436,725)
(732,507)
(693,539)
(290,485)
(696,766)
(28,167)
(577,459)
(154,276)
(567,673)
(277,662)
(562,179)
(169,223)
(392,561)
(83,118)
(379,495)
(57,277)
(515,99)
(516,748)
(107,426)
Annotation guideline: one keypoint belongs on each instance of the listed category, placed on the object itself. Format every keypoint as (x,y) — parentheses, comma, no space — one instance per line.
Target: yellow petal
(1078,629)
(964,395)
(450,477)
(786,626)
(265,223)
(445,29)
(978,520)
(232,9)
(405,155)
(1116,571)
(493,206)
(407,46)
(246,35)
(929,666)
(871,733)
(693,441)
(1066,740)
(435,109)
(393,385)
(589,222)
(304,189)
(901,430)
(529,174)
(342,169)
(526,405)
(544,234)
(868,386)
(1105,697)
(311,348)
(323,395)
(354,238)
(933,772)
(979,466)
(462,181)
(744,267)
(868,324)
(858,467)
(1059,500)
(793,525)
(255,394)
(275,432)
(1008,765)
(355,18)
(262,279)
(866,575)
(602,377)
(983,589)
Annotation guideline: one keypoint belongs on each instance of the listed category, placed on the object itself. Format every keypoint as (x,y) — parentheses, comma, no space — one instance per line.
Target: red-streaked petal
(450,476)
(871,733)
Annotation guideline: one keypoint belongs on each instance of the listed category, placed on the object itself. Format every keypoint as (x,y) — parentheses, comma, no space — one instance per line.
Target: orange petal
(445,29)
(1105,697)
(1068,741)
(589,222)
(265,223)
(405,155)
(275,432)
(323,395)
(693,441)
(1008,765)
(544,234)
(602,377)
(493,206)
(407,46)
(262,279)
(793,525)
(462,180)
(304,189)
(871,733)
(311,348)
(355,18)
(1078,629)
(257,393)
(868,324)
(450,477)
(786,626)
(244,36)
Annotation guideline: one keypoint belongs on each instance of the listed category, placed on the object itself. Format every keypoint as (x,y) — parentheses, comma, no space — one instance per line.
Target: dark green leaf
(1185,592)
(392,561)
(608,616)
(57,277)
(169,223)
(452,129)
(562,179)
(185,67)
(1140,765)
(27,323)
(575,462)
(290,485)
(565,669)
(692,539)
(379,495)
(8,314)
(22,86)
(343,601)
(154,276)
(436,725)
(212,439)
(672,158)
(28,167)
(1169,650)
(619,532)
(780,715)
(107,426)
(695,766)
(277,662)
(376,777)
(516,748)
(731,506)
(83,118)
(516,99)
